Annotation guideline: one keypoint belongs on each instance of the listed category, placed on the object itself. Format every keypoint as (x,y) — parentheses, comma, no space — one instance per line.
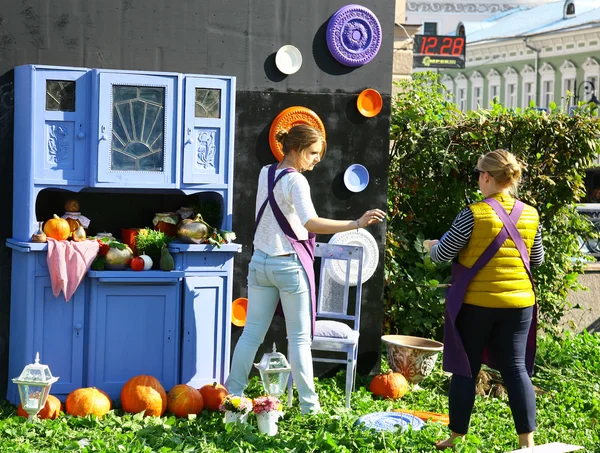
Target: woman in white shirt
(282,264)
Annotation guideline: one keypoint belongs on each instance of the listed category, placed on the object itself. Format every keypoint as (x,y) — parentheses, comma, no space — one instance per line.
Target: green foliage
(434,150)
(151,241)
(568,411)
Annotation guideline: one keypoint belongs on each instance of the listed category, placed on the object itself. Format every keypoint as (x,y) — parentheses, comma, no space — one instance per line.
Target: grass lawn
(567,374)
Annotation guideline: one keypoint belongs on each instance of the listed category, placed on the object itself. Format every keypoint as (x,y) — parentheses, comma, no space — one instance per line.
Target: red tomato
(104,248)
(137,264)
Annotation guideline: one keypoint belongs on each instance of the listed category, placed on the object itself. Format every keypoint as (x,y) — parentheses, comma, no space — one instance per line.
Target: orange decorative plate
(288,118)
(239,308)
(369,102)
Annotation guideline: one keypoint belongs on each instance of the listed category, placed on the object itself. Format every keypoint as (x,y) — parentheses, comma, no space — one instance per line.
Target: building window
(547,93)
(592,88)
(511,95)
(461,91)
(494,92)
(493,83)
(547,74)
(528,94)
(461,99)
(476,90)
(568,91)
(511,78)
(430,28)
(477,97)
(569,77)
(529,86)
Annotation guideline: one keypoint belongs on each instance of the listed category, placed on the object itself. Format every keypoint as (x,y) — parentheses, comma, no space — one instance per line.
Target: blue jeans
(271,278)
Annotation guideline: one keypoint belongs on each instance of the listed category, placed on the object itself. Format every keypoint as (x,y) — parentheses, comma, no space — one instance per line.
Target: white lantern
(274,372)
(34,386)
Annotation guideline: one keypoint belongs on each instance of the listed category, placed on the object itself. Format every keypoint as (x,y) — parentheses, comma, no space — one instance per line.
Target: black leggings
(504,331)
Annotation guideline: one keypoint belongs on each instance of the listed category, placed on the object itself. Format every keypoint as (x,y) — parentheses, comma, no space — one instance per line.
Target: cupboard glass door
(137,116)
(207,118)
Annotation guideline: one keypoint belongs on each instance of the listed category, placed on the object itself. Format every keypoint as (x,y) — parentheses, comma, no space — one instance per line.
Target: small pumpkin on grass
(183,400)
(88,401)
(51,409)
(390,385)
(144,393)
(213,395)
(57,228)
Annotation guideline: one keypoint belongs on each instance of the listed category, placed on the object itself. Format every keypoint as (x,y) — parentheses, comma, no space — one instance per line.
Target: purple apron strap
(261,211)
(456,360)
(510,225)
(305,249)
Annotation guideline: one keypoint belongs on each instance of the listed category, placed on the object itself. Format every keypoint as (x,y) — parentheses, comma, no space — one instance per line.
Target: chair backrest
(338,262)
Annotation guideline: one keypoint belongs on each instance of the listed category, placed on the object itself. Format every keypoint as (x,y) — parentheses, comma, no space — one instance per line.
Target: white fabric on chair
(334,329)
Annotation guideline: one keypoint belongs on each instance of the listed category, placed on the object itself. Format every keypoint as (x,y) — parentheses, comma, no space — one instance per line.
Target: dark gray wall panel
(230,37)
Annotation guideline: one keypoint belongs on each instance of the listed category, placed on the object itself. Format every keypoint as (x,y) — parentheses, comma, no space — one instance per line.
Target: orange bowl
(288,118)
(239,308)
(369,102)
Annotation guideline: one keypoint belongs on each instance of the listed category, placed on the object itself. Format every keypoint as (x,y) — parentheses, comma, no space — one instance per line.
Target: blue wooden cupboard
(106,132)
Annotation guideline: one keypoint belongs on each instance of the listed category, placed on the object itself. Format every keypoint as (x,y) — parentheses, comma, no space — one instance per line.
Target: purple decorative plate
(354,35)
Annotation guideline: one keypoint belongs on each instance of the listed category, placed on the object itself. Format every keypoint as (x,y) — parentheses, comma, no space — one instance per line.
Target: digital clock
(435,51)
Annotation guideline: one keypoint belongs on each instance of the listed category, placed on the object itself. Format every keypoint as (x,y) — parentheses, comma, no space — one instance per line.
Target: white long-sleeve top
(292,194)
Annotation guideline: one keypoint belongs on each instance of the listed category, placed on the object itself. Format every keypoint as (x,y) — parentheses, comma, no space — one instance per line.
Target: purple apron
(305,249)
(455,357)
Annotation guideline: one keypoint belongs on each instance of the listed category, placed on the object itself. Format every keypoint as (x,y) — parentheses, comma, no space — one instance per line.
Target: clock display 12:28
(449,46)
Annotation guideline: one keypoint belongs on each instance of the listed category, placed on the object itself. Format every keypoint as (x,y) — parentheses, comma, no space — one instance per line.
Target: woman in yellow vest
(490,306)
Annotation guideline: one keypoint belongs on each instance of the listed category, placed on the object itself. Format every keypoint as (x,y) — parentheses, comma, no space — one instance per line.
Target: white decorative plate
(288,59)
(337,268)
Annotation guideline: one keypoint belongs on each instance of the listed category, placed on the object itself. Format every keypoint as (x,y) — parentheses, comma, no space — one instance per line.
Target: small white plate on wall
(288,59)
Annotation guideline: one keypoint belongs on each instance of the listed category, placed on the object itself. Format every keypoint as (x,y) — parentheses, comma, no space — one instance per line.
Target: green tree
(434,151)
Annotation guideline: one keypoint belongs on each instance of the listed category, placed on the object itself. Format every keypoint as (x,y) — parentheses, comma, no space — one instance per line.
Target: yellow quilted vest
(503,282)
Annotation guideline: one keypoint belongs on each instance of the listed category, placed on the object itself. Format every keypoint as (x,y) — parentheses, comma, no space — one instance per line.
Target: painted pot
(236,417)
(267,422)
(414,357)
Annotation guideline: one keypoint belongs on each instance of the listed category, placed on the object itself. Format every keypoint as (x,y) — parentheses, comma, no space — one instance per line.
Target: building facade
(530,57)
(438,17)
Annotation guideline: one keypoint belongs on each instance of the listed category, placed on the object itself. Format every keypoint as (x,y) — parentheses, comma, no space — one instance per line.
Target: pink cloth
(68,262)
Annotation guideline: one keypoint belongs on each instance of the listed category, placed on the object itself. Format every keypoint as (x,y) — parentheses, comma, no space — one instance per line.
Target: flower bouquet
(268,411)
(236,408)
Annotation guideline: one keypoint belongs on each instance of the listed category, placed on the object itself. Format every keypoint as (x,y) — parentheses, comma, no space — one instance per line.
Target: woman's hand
(370,217)
(429,243)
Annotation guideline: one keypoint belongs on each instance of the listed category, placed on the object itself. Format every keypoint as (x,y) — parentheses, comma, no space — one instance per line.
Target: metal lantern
(34,386)
(274,372)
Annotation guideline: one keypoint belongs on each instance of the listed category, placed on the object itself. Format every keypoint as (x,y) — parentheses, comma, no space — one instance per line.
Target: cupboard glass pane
(208,103)
(138,128)
(60,95)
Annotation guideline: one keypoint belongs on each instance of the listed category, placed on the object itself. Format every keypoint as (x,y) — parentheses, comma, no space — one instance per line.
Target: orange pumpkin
(51,409)
(390,385)
(85,401)
(57,228)
(213,395)
(144,393)
(183,400)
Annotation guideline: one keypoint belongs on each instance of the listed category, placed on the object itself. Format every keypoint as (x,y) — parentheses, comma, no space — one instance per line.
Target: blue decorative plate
(390,421)
(356,178)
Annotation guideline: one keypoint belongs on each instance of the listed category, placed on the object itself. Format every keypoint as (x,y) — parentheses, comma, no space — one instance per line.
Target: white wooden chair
(338,320)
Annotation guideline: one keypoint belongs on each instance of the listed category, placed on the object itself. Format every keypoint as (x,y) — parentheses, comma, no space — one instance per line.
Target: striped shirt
(459,234)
